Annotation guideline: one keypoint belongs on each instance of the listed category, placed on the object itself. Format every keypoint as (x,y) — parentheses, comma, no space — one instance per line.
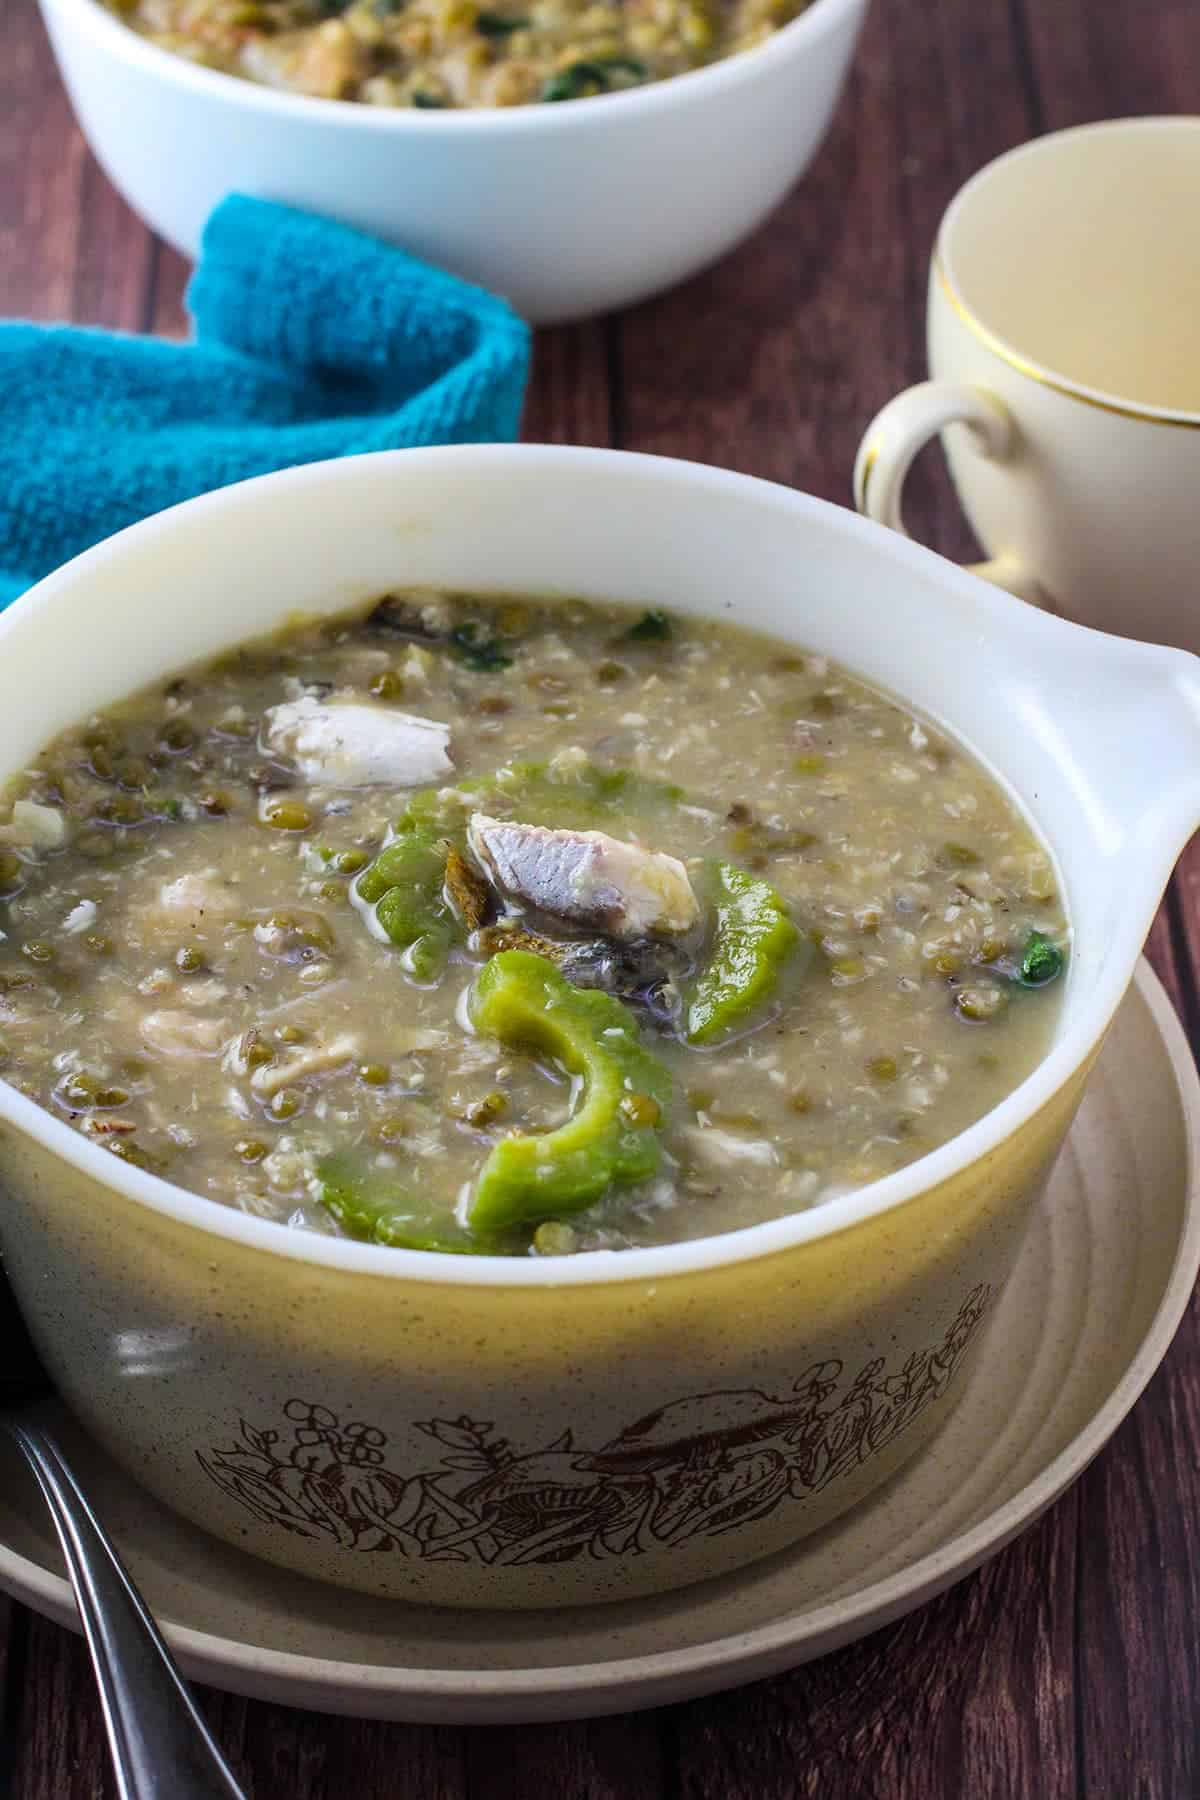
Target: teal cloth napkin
(311,340)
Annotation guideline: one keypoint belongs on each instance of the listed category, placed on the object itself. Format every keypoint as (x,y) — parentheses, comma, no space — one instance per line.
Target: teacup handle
(897,435)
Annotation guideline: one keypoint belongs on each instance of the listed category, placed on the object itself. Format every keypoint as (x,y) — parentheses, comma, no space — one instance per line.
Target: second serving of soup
(433,54)
(519,928)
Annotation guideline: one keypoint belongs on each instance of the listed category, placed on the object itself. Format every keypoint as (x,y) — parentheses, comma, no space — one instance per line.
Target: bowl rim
(1070,1050)
(729,72)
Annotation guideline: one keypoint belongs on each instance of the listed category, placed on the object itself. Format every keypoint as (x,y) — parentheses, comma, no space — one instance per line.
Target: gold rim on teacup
(1124,409)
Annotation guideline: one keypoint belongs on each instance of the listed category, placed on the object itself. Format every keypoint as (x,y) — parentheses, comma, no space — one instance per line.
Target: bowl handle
(897,435)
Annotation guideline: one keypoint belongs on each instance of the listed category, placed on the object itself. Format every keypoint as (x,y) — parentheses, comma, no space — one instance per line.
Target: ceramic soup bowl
(489,1432)
(565,210)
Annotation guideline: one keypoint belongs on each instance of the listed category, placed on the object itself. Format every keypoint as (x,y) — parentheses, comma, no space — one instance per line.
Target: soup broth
(435,54)
(520,927)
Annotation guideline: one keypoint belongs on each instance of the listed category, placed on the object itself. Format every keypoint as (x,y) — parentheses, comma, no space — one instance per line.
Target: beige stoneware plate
(1102,1282)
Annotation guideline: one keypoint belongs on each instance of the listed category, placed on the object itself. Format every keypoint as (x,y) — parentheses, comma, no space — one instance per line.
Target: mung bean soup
(435,54)
(509,927)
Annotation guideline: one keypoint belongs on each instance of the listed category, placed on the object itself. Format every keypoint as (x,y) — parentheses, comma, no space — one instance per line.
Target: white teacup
(1064,350)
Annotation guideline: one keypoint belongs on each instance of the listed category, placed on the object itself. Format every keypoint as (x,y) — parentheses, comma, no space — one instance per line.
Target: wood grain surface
(1070,1664)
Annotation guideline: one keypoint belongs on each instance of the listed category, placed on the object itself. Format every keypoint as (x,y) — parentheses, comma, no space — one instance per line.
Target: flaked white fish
(349,744)
(35,827)
(726,1149)
(202,893)
(587,877)
(176,1033)
(312,1059)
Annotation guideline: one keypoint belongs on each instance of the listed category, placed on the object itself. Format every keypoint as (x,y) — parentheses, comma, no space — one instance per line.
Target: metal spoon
(161,1747)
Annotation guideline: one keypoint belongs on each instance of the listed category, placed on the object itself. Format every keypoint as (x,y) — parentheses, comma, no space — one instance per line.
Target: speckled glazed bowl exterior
(525,1433)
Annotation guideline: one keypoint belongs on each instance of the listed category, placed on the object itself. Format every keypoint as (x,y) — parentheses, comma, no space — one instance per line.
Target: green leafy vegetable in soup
(515,928)
(434,54)
(1041,961)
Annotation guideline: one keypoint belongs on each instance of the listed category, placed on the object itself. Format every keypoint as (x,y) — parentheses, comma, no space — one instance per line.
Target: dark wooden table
(1070,1665)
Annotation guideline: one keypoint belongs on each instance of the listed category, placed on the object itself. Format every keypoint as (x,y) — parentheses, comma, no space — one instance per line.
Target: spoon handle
(161,1747)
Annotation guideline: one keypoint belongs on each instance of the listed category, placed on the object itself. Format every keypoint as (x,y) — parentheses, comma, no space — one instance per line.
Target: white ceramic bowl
(566,210)
(484,1431)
